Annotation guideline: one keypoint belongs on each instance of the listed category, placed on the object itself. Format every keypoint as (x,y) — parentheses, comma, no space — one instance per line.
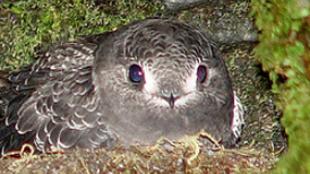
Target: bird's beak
(170,92)
(171,101)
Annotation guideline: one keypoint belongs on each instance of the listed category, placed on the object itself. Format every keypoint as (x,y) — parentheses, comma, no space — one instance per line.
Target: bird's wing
(238,117)
(59,102)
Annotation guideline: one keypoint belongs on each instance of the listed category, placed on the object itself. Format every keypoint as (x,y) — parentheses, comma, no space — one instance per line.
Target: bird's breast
(148,126)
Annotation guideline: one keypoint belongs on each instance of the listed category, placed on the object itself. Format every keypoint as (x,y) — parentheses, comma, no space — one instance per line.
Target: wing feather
(59,105)
(68,137)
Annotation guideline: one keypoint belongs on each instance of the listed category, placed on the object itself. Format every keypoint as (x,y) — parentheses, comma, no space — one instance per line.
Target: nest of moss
(188,155)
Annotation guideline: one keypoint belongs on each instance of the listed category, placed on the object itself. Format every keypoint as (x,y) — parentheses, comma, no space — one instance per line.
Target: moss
(284,51)
(29,26)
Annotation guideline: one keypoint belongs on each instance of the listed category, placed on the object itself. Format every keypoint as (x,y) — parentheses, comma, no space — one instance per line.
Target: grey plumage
(79,94)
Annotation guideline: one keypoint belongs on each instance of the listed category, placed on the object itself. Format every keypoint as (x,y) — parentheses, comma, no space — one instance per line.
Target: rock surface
(175,5)
(226,23)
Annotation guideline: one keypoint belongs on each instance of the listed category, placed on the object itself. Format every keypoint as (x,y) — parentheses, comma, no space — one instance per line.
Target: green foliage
(284,52)
(26,26)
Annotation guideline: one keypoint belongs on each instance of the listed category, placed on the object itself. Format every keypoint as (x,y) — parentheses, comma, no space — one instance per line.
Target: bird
(145,80)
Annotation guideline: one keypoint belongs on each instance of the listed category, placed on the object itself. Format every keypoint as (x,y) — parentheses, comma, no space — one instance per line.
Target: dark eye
(201,73)
(135,73)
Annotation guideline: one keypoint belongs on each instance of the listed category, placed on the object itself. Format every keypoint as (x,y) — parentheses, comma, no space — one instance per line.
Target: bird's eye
(135,73)
(201,73)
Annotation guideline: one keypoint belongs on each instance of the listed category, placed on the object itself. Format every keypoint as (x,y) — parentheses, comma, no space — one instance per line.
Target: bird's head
(163,70)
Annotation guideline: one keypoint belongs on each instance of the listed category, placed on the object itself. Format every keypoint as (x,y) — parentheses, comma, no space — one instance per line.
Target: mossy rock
(31,26)
(284,51)
(27,27)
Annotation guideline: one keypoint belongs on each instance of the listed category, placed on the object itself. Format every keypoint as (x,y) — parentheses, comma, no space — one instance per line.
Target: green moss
(284,52)
(26,26)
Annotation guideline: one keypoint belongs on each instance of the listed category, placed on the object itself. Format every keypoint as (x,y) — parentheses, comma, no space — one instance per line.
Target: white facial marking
(151,89)
(184,100)
(159,102)
(150,82)
(190,84)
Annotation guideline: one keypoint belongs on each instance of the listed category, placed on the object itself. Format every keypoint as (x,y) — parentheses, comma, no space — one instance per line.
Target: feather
(78,94)
(69,137)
